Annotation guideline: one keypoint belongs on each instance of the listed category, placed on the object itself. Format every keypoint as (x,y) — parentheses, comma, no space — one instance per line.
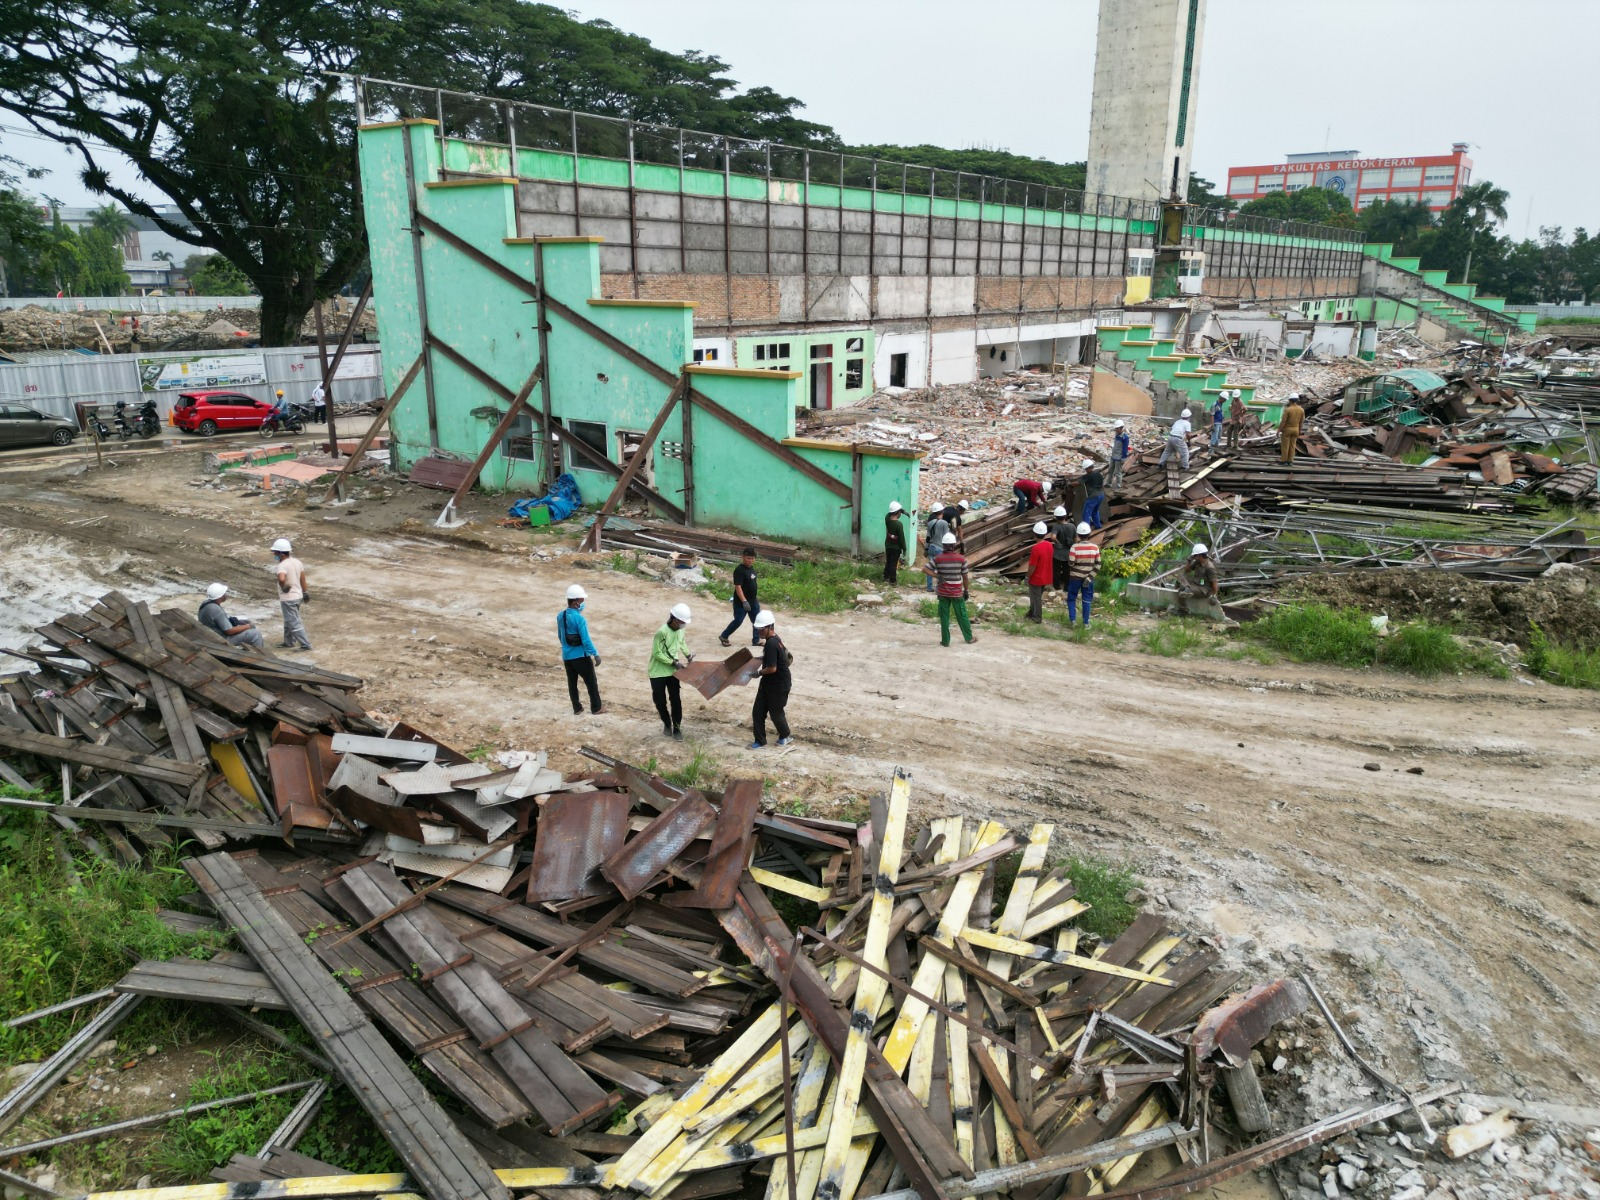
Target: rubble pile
(628,985)
(34,327)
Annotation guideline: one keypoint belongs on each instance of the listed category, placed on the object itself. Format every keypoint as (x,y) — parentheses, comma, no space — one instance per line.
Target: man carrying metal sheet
(772,693)
(578,654)
(669,653)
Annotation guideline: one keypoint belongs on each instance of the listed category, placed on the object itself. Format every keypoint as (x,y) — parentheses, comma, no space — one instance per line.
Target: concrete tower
(1146,88)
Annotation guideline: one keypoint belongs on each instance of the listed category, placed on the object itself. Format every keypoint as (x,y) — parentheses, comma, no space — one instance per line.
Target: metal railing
(520,125)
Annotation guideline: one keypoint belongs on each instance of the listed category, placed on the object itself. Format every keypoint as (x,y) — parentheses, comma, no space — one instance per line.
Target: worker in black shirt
(894,543)
(772,693)
(745,603)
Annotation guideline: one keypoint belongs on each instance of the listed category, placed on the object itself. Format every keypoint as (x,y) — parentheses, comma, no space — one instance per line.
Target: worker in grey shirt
(240,633)
(938,526)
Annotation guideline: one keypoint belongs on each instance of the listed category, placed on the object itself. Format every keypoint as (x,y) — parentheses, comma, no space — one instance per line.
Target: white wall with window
(1406,177)
(1436,199)
(1269,183)
(1437,175)
(713,352)
(901,360)
(1375,177)
(1242,185)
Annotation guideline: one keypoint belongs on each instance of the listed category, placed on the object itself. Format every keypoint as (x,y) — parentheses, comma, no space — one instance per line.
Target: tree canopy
(997,164)
(1320,206)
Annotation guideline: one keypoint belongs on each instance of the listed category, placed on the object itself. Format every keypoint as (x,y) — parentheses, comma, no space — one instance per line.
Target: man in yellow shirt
(669,653)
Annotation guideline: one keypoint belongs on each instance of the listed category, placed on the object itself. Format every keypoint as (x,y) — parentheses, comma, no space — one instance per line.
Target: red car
(206,413)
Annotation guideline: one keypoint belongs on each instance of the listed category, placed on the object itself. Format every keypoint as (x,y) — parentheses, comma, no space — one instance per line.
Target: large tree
(1320,206)
(1400,224)
(226,110)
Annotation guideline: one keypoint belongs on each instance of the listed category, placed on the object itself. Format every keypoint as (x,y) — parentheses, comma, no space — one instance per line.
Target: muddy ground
(1450,914)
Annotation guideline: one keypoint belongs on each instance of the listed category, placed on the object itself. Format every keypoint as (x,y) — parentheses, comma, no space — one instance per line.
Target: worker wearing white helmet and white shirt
(578,655)
(292,593)
(669,653)
(1177,441)
(240,633)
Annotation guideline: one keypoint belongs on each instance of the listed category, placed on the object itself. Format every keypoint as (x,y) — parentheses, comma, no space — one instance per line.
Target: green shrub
(1317,633)
(1103,885)
(1570,666)
(1422,648)
(825,585)
(1171,639)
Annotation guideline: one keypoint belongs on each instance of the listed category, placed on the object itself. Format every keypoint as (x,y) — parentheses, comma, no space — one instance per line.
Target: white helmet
(281,546)
(681,612)
(1061,510)
(764,619)
(1087,463)
(575,592)
(1041,528)
(963,505)
(216,591)
(1185,412)
(950,539)
(935,508)
(894,506)
(1116,425)
(1199,548)
(1083,529)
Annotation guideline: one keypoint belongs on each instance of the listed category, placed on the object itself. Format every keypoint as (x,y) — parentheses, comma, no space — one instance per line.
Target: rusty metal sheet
(710,678)
(1238,1023)
(294,791)
(730,849)
(576,832)
(391,818)
(633,867)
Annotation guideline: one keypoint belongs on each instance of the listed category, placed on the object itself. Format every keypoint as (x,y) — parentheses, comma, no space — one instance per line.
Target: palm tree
(114,221)
(1478,208)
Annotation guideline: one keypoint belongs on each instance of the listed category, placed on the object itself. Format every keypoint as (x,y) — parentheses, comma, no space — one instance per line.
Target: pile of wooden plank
(148,723)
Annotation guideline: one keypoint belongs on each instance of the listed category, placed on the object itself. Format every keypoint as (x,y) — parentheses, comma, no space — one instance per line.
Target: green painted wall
(808,350)
(490,321)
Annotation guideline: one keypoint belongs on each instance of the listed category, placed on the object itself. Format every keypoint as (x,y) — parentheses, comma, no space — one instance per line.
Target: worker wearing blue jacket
(578,654)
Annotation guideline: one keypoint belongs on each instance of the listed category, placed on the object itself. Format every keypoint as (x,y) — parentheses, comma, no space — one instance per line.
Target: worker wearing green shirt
(668,654)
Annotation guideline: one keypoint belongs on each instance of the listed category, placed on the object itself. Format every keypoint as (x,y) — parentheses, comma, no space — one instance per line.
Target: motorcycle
(292,421)
(148,423)
(124,427)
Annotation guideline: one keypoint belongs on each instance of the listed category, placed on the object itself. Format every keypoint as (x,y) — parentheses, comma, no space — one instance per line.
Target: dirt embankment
(1564,604)
(35,327)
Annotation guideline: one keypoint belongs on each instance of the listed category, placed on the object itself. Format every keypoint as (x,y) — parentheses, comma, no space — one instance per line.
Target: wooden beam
(384,414)
(105,758)
(635,462)
(518,403)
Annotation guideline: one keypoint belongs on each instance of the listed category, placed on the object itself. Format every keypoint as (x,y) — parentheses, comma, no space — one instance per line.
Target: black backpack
(569,635)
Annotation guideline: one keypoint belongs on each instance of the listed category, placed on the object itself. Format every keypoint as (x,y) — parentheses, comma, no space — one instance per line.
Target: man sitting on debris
(894,543)
(950,569)
(772,693)
(1029,494)
(240,633)
(1119,454)
(937,528)
(668,653)
(1085,565)
(1235,420)
(578,654)
(1198,580)
(1061,534)
(1289,429)
(1094,490)
(1177,442)
(1041,570)
(1218,413)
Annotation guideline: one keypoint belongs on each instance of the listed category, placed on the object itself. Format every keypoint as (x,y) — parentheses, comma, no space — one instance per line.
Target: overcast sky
(1387,78)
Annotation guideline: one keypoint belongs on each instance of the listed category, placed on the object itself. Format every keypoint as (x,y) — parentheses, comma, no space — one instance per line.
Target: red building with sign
(1433,180)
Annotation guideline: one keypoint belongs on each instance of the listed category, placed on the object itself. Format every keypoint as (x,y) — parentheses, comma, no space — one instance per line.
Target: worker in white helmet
(1061,539)
(240,633)
(894,542)
(1177,441)
(1198,580)
(1041,570)
(669,653)
(933,546)
(950,570)
(1235,420)
(578,654)
(1120,445)
(1219,413)
(1294,414)
(292,593)
(1085,565)
(772,693)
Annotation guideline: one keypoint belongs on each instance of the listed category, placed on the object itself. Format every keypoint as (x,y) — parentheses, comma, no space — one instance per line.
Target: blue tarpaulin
(561,501)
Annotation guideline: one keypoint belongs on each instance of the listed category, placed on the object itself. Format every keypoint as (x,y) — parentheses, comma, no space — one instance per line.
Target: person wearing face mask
(578,654)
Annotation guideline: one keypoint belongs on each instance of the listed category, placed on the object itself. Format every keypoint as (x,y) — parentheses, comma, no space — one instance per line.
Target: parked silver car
(21,426)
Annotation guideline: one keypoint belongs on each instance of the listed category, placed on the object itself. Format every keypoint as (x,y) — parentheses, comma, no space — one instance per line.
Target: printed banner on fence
(201,371)
(354,365)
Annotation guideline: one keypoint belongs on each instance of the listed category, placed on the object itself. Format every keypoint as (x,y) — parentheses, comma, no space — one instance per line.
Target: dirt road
(1451,912)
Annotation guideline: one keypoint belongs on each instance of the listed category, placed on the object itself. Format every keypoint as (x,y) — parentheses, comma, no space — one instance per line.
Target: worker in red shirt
(1041,569)
(1030,493)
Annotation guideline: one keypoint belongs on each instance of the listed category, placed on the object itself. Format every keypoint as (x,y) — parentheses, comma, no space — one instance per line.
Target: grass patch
(1422,649)
(189,1149)
(1318,633)
(826,585)
(624,562)
(1417,455)
(1546,322)
(1104,886)
(699,771)
(64,936)
(1570,666)
(1174,638)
